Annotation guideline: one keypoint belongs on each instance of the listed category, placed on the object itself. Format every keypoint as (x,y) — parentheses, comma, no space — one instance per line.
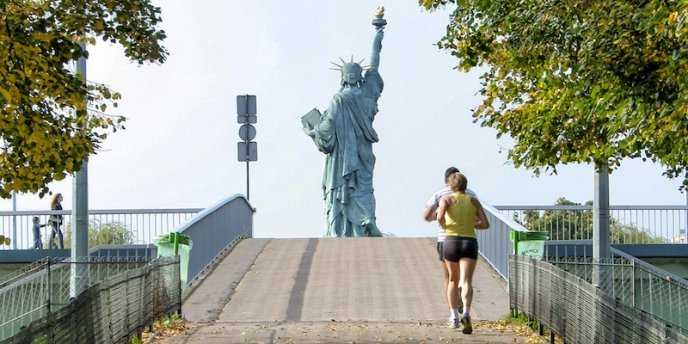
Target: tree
(564,224)
(631,234)
(46,127)
(107,233)
(579,81)
(576,224)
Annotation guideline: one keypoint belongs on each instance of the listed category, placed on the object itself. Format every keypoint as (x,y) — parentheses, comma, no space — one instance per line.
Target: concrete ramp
(373,279)
(312,289)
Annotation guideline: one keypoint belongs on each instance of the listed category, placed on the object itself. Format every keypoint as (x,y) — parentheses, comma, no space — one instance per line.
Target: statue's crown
(350,67)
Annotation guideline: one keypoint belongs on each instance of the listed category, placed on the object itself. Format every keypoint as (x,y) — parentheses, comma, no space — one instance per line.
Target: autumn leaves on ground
(173,325)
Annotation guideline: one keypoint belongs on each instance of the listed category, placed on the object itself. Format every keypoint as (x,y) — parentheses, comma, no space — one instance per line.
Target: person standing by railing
(460,214)
(56,222)
(37,241)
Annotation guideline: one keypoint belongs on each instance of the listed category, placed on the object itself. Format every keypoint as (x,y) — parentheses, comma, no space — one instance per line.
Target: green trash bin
(530,244)
(172,244)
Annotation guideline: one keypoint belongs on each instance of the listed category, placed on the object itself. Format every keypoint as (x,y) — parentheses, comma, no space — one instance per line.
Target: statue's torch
(379,22)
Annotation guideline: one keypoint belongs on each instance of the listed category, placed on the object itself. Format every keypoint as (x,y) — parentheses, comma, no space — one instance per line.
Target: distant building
(681,237)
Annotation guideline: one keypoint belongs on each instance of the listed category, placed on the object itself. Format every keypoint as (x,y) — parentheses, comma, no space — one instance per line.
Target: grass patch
(523,326)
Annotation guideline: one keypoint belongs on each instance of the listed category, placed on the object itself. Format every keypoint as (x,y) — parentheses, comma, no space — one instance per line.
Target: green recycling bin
(530,244)
(172,244)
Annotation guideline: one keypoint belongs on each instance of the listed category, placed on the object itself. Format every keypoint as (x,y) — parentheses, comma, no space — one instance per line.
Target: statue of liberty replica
(344,132)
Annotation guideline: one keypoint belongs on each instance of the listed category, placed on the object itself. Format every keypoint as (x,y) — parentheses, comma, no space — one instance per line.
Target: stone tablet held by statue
(311,119)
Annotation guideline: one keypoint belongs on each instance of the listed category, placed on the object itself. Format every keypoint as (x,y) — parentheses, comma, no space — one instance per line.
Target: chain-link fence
(581,313)
(642,286)
(120,298)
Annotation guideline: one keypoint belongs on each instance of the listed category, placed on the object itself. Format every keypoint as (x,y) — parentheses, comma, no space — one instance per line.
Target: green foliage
(108,233)
(5,240)
(519,319)
(522,320)
(561,224)
(40,339)
(578,224)
(579,81)
(46,128)
(171,318)
(170,325)
(631,234)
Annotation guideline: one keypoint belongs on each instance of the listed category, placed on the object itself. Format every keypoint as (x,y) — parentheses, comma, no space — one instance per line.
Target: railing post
(179,311)
(633,282)
(15,239)
(515,277)
(49,286)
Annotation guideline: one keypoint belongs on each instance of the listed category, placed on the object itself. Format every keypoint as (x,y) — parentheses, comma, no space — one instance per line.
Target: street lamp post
(79,273)
(600,227)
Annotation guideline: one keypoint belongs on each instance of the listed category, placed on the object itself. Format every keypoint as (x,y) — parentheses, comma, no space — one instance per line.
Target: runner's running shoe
(467,327)
(453,323)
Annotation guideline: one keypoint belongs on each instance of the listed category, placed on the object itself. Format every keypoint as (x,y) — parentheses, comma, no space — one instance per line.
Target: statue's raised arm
(379,22)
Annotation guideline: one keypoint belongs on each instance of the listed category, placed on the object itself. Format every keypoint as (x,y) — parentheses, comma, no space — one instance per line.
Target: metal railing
(121,297)
(626,279)
(212,230)
(143,224)
(215,230)
(628,224)
(635,283)
(494,244)
(31,294)
(580,312)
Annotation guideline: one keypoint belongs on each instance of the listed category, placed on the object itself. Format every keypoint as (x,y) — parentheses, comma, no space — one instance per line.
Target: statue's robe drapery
(346,135)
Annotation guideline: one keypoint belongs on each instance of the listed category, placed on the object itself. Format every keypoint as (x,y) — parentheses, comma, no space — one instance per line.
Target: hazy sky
(179,148)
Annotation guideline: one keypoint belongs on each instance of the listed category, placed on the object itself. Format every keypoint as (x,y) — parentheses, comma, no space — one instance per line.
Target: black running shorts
(455,248)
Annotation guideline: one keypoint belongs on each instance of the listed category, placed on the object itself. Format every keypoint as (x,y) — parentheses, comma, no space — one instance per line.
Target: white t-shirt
(434,202)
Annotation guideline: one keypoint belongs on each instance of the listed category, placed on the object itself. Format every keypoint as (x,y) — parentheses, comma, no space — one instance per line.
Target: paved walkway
(336,290)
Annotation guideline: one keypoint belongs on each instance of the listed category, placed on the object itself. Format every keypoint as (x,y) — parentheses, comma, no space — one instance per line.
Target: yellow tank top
(460,217)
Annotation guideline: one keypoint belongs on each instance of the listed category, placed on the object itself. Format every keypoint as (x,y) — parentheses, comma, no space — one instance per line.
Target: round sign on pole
(247,132)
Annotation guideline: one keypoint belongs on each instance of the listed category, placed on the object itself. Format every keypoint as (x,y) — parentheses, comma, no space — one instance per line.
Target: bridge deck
(335,290)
